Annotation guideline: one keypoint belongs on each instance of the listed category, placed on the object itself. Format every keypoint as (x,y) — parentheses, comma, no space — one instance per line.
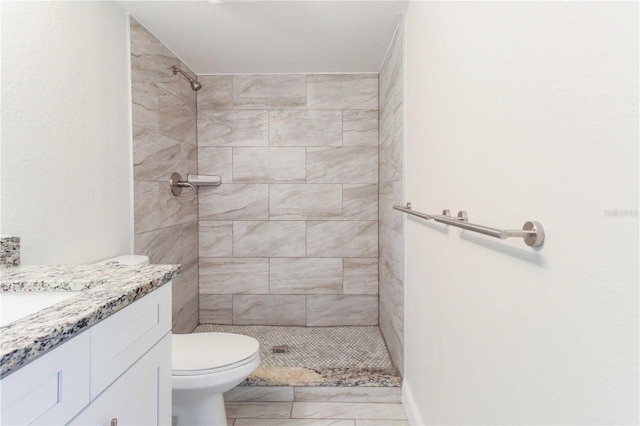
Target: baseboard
(410,406)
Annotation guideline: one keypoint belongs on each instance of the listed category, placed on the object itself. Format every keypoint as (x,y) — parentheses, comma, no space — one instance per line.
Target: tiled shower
(300,231)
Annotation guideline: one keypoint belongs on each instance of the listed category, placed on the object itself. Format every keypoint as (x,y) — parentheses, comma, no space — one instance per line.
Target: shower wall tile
(155,154)
(390,195)
(305,276)
(162,245)
(305,202)
(334,310)
(234,276)
(269,91)
(360,202)
(146,205)
(216,92)
(233,128)
(269,239)
(342,91)
(269,310)
(342,165)
(215,161)
(360,128)
(216,308)
(234,202)
(305,128)
(269,165)
(342,239)
(360,276)
(177,210)
(215,238)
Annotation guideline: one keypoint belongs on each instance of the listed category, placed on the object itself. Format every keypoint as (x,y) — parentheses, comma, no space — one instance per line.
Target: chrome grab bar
(532,232)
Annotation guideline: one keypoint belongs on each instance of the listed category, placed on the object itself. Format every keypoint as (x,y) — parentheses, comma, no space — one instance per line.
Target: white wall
(523,111)
(66,138)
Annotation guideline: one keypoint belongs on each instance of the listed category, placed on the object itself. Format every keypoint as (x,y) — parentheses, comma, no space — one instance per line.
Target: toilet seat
(199,354)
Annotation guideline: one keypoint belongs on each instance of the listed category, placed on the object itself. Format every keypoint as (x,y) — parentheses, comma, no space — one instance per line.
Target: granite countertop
(104,290)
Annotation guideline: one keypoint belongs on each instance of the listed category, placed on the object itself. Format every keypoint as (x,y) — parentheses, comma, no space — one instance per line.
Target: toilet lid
(208,351)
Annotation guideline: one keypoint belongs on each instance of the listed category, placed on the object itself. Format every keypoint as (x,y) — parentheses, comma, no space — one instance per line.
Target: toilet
(204,366)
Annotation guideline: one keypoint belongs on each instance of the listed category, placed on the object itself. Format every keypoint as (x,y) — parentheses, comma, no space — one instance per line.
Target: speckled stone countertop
(104,290)
(301,376)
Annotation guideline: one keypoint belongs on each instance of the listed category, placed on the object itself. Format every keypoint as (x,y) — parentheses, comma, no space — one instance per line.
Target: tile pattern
(107,289)
(9,252)
(298,155)
(164,141)
(391,231)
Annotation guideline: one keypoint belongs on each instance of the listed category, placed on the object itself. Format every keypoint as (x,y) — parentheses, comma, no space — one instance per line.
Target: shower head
(195,84)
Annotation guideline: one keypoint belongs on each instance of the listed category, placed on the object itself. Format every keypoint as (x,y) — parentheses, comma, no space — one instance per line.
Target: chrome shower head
(195,84)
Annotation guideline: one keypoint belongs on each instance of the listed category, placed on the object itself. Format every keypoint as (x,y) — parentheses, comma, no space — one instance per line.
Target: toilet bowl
(204,366)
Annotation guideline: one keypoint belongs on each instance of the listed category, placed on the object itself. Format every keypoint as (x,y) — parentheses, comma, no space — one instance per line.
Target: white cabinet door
(141,396)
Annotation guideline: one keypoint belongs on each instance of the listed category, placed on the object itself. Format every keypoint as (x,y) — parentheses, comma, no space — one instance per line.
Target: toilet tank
(130,259)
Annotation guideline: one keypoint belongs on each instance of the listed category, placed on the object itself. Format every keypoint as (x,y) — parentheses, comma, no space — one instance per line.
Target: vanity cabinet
(118,369)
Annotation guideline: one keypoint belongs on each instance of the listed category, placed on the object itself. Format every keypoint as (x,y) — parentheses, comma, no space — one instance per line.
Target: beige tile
(342,239)
(216,309)
(162,245)
(215,239)
(176,210)
(216,92)
(333,310)
(348,394)
(234,202)
(269,91)
(190,244)
(185,318)
(259,410)
(269,310)
(382,423)
(268,239)
(294,422)
(391,193)
(360,275)
(360,128)
(146,201)
(234,276)
(305,202)
(269,165)
(305,128)
(342,91)
(215,161)
(391,144)
(259,393)
(329,410)
(233,128)
(391,73)
(231,422)
(305,276)
(342,165)
(149,57)
(360,202)
(155,156)
(390,327)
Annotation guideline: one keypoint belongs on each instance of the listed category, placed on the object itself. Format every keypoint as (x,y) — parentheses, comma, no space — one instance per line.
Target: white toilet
(204,366)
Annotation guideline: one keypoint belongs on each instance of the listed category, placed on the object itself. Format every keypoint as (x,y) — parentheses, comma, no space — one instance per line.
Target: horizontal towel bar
(532,232)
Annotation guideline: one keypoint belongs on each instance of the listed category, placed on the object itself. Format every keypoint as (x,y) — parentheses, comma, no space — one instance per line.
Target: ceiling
(256,37)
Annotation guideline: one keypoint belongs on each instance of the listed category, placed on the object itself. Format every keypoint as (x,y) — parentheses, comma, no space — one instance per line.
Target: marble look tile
(258,410)
(216,92)
(190,243)
(390,328)
(231,422)
(348,394)
(234,202)
(342,239)
(294,422)
(155,155)
(149,57)
(216,308)
(342,165)
(269,310)
(342,91)
(391,142)
(391,73)
(259,394)
(360,275)
(360,128)
(177,210)
(338,410)
(305,276)
(215,238)
(382,422)
(360,202)
(185,318)
(233,128)
(332,310)
(269,91)
(215,161)
(391,193)
(146,210)
(268,239)
(269,165)
(305,202)
(162,245)
(306,128)
(234,276)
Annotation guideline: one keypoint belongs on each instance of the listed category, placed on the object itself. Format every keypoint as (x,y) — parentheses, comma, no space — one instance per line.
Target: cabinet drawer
(121,340)
(49,390)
